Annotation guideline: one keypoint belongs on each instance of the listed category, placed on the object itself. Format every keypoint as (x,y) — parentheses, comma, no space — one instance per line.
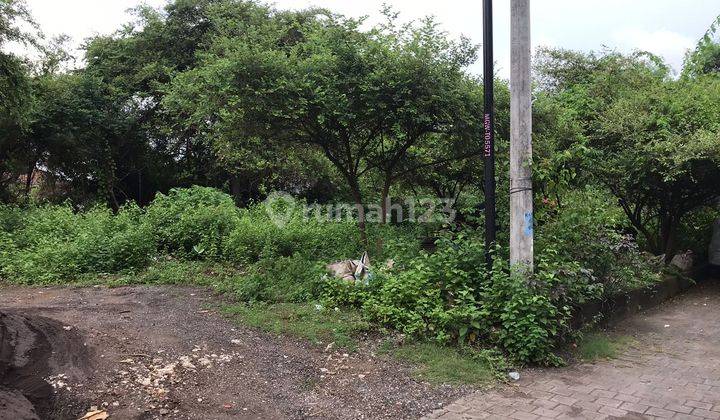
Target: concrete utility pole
(521,199)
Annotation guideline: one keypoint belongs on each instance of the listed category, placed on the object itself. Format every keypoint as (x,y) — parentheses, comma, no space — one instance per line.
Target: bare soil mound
(31,349)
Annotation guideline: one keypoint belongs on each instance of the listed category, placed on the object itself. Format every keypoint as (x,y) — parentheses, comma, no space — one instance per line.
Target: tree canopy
(250,99)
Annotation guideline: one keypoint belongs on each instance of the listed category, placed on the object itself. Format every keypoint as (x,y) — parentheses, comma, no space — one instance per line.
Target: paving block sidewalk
(672,372)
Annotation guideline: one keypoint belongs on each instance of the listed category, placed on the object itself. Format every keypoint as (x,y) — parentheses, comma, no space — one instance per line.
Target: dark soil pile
(31,348)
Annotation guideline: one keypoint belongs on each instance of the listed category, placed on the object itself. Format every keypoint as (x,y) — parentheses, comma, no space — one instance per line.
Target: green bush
(256,236)
(281,262)
(109,243)
(695,231)
(281,279)
(432,294)
(10,218)
(448,295)
(54,243)
(530,317)
(588,229)
(192,222)
(7,251)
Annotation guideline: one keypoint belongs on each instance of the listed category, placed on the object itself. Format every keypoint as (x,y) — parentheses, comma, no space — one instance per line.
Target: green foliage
(257,236)
(696,231)
(54,244)
(449,296)
(193,222)
(705,59)
(361,98)
(279,262)
(439,364)
(16,99)
(308,320)
(281,279)
(11,218)
(531,316)
(15,21)
(7,251)
(587,229)
(431,294)
(650,140)
(600,345)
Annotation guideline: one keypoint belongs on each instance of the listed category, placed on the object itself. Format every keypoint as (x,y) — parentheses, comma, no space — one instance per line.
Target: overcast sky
(664,27)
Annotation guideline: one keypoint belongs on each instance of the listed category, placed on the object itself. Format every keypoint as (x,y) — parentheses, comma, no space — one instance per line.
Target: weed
(440,364)
(305,320)
(600,345)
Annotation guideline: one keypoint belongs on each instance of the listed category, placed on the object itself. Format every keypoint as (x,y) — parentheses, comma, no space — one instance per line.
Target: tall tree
(363,98)
(650,140)
(15,92)
(705,58)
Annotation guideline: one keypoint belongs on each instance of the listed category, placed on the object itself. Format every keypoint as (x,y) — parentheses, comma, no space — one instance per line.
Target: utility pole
(489,133)
(521,198)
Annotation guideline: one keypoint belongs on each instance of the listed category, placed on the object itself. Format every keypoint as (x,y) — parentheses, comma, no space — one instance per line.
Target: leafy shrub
(54,243)
(10,218)
(42,252)
(192,222)
(256,236)
(281,279)
(108,243)
(695,231)
(589,229)
(432,294)
(531,316)
(449,295)
(7,251)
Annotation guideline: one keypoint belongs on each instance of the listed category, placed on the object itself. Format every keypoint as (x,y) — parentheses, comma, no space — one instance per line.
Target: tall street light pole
(521,197)
(489,133)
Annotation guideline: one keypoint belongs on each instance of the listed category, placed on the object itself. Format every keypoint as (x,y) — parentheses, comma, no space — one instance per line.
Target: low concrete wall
(614,308)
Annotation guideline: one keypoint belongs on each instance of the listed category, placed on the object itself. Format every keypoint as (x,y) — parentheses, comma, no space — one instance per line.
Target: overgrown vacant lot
(410,337)
(225,209)
(198,236)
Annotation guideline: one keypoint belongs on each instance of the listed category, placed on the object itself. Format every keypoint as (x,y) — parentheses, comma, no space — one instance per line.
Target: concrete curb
(614,308)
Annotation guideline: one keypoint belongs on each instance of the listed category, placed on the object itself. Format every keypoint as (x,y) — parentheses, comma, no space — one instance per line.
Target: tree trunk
(357,197)
(667,236)
(384,196)
(28,180)
(236,189)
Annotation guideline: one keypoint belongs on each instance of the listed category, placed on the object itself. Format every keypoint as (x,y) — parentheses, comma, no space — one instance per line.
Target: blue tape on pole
(528,229)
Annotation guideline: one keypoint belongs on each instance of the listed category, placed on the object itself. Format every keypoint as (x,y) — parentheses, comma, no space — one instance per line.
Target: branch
(439,162)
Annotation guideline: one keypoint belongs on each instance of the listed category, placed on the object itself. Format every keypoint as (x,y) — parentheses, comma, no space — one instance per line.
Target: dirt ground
(164,352)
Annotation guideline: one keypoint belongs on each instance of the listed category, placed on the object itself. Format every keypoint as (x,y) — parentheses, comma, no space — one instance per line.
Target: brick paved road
(674,372)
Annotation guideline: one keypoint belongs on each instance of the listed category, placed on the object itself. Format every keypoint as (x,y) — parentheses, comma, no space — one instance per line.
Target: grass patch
(599,345)
(439,364)
(304,320)
(164,271)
